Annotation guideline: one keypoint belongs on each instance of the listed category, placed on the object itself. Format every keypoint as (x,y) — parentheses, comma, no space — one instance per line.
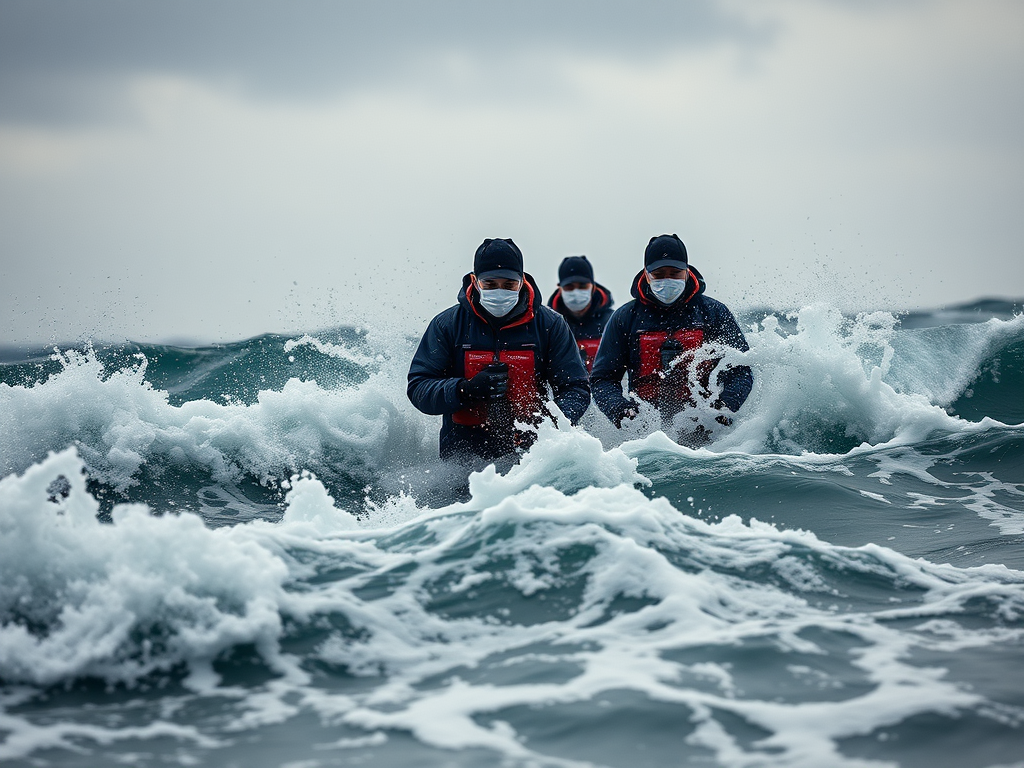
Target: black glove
(627,412)
(721,418)
(488,385)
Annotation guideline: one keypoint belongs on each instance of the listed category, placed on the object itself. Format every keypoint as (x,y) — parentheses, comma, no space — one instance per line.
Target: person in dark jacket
(585,304)
(664,340)
(486,362)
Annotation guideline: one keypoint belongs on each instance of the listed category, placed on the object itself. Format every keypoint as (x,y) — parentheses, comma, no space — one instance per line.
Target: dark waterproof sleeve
(432,386)
(568,377)
(610,365)
(736,382)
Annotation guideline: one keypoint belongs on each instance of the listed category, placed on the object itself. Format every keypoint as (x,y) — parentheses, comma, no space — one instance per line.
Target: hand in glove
(628,412)
(725,421)
(488,385)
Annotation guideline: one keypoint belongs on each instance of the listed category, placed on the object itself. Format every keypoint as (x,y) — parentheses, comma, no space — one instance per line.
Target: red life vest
(588,351)
(523,393)
(651,373)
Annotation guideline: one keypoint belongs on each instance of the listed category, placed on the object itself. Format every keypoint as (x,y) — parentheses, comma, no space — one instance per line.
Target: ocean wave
(122,426)
(475,620)
(824,383)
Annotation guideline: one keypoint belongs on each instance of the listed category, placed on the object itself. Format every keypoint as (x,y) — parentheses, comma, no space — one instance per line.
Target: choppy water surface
(248,555)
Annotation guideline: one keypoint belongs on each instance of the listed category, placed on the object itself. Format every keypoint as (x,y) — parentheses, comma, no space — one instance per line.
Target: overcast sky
(211,170)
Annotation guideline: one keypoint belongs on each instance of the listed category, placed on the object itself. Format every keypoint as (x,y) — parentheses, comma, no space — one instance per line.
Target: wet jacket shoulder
(432,381)
(438,365)
(592,323)
(619,352)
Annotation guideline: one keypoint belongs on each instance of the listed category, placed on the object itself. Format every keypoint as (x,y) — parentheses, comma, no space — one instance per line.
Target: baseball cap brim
(500,274)
(575,279)
(674,263)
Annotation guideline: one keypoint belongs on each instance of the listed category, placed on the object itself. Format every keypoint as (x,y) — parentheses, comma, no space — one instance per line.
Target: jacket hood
(602,297)
(523,312)
(641,290)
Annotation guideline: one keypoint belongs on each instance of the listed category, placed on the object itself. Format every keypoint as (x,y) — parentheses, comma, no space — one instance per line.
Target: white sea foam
(978,491)
(567,460)
(73,591)
(831,384)
(337,351)
(532,578)
(638,545)
(562,562)
(829,376)
(119,423)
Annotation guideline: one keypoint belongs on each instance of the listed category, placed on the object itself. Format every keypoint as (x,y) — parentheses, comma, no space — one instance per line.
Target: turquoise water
(247,554)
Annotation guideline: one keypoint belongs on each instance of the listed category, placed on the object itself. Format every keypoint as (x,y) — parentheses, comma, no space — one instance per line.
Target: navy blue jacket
(439,364)
(619,352)
(590,325)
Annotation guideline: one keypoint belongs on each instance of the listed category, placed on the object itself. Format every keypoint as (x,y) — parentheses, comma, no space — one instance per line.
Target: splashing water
(198,570)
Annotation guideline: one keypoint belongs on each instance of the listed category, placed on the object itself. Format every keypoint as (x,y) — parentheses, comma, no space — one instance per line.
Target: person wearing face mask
(655,338)
(487,362)
(585,305)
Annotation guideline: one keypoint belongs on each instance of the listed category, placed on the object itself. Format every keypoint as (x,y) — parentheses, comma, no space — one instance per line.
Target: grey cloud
(63,61)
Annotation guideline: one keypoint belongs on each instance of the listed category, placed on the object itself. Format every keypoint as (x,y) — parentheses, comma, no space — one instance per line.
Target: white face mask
(666,291)
(577,300)
(498,301)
